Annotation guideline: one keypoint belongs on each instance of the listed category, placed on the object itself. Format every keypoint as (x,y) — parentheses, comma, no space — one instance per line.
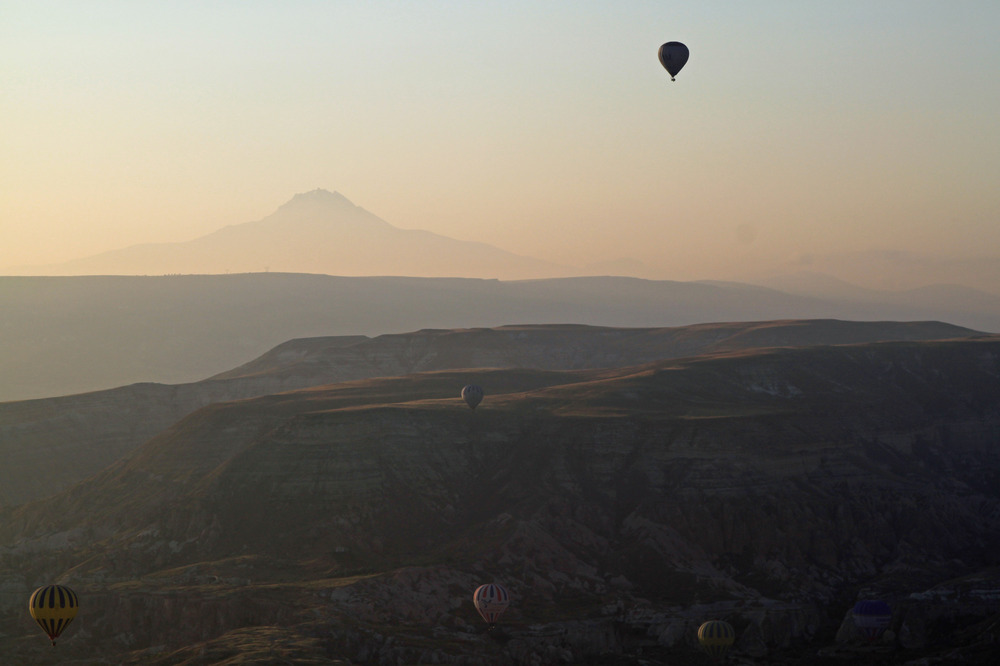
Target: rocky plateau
(49,444)
(622,499)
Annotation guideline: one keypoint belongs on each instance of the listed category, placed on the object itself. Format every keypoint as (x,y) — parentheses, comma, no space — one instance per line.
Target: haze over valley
(324,232)
(180,323)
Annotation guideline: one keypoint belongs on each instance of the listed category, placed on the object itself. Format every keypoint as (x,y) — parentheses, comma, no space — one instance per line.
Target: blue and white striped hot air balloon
(872,618)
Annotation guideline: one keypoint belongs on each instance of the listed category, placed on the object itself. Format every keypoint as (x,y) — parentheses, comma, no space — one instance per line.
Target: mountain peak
(317,197)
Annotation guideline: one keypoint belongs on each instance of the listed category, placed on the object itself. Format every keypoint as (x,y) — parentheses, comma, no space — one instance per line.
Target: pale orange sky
(547,129)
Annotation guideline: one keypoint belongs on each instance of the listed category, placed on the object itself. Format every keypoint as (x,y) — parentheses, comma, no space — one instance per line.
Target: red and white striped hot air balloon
(491,601)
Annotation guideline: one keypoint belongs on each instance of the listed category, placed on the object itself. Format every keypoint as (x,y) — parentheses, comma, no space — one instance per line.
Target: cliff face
(621,507)
(48,445)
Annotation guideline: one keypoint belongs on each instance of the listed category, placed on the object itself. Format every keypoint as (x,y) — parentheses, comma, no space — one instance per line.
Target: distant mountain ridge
(323,232)
(896,270)
(64,335)
(315,232)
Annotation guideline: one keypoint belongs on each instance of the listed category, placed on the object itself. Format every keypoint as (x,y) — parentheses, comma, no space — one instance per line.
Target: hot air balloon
(473,395)
(872,618)
(491,601)
(716,637)
(673,55)
(53,608)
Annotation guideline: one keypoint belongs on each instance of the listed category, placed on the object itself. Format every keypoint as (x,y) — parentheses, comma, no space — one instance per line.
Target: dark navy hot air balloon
(53,607)
(491,601)
(673,55)
(473,395)
(872,618)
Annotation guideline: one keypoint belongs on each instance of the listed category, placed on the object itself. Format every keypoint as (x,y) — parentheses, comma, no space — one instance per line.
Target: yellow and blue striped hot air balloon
(716,637)
(53,607)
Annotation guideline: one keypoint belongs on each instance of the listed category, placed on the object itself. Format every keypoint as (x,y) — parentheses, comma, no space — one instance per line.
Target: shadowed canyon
(334,501)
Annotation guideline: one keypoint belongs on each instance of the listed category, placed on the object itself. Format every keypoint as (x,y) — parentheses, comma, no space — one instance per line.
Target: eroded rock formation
(621,507)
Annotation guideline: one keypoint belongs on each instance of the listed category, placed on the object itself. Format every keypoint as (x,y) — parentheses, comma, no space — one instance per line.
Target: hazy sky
(546,128)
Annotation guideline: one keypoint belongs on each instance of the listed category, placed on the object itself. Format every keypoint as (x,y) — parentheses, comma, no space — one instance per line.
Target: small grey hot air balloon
(473,395)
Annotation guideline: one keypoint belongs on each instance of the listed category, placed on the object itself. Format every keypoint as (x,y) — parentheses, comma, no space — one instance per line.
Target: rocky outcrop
(48,445)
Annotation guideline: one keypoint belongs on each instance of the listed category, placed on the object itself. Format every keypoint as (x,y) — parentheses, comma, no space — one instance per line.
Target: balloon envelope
(872,617)
(491,601)
(716,637)
(53,607)
(473,395)
(673,55)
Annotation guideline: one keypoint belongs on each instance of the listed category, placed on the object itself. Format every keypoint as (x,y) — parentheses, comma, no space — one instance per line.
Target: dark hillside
(621,507)
(51,444)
